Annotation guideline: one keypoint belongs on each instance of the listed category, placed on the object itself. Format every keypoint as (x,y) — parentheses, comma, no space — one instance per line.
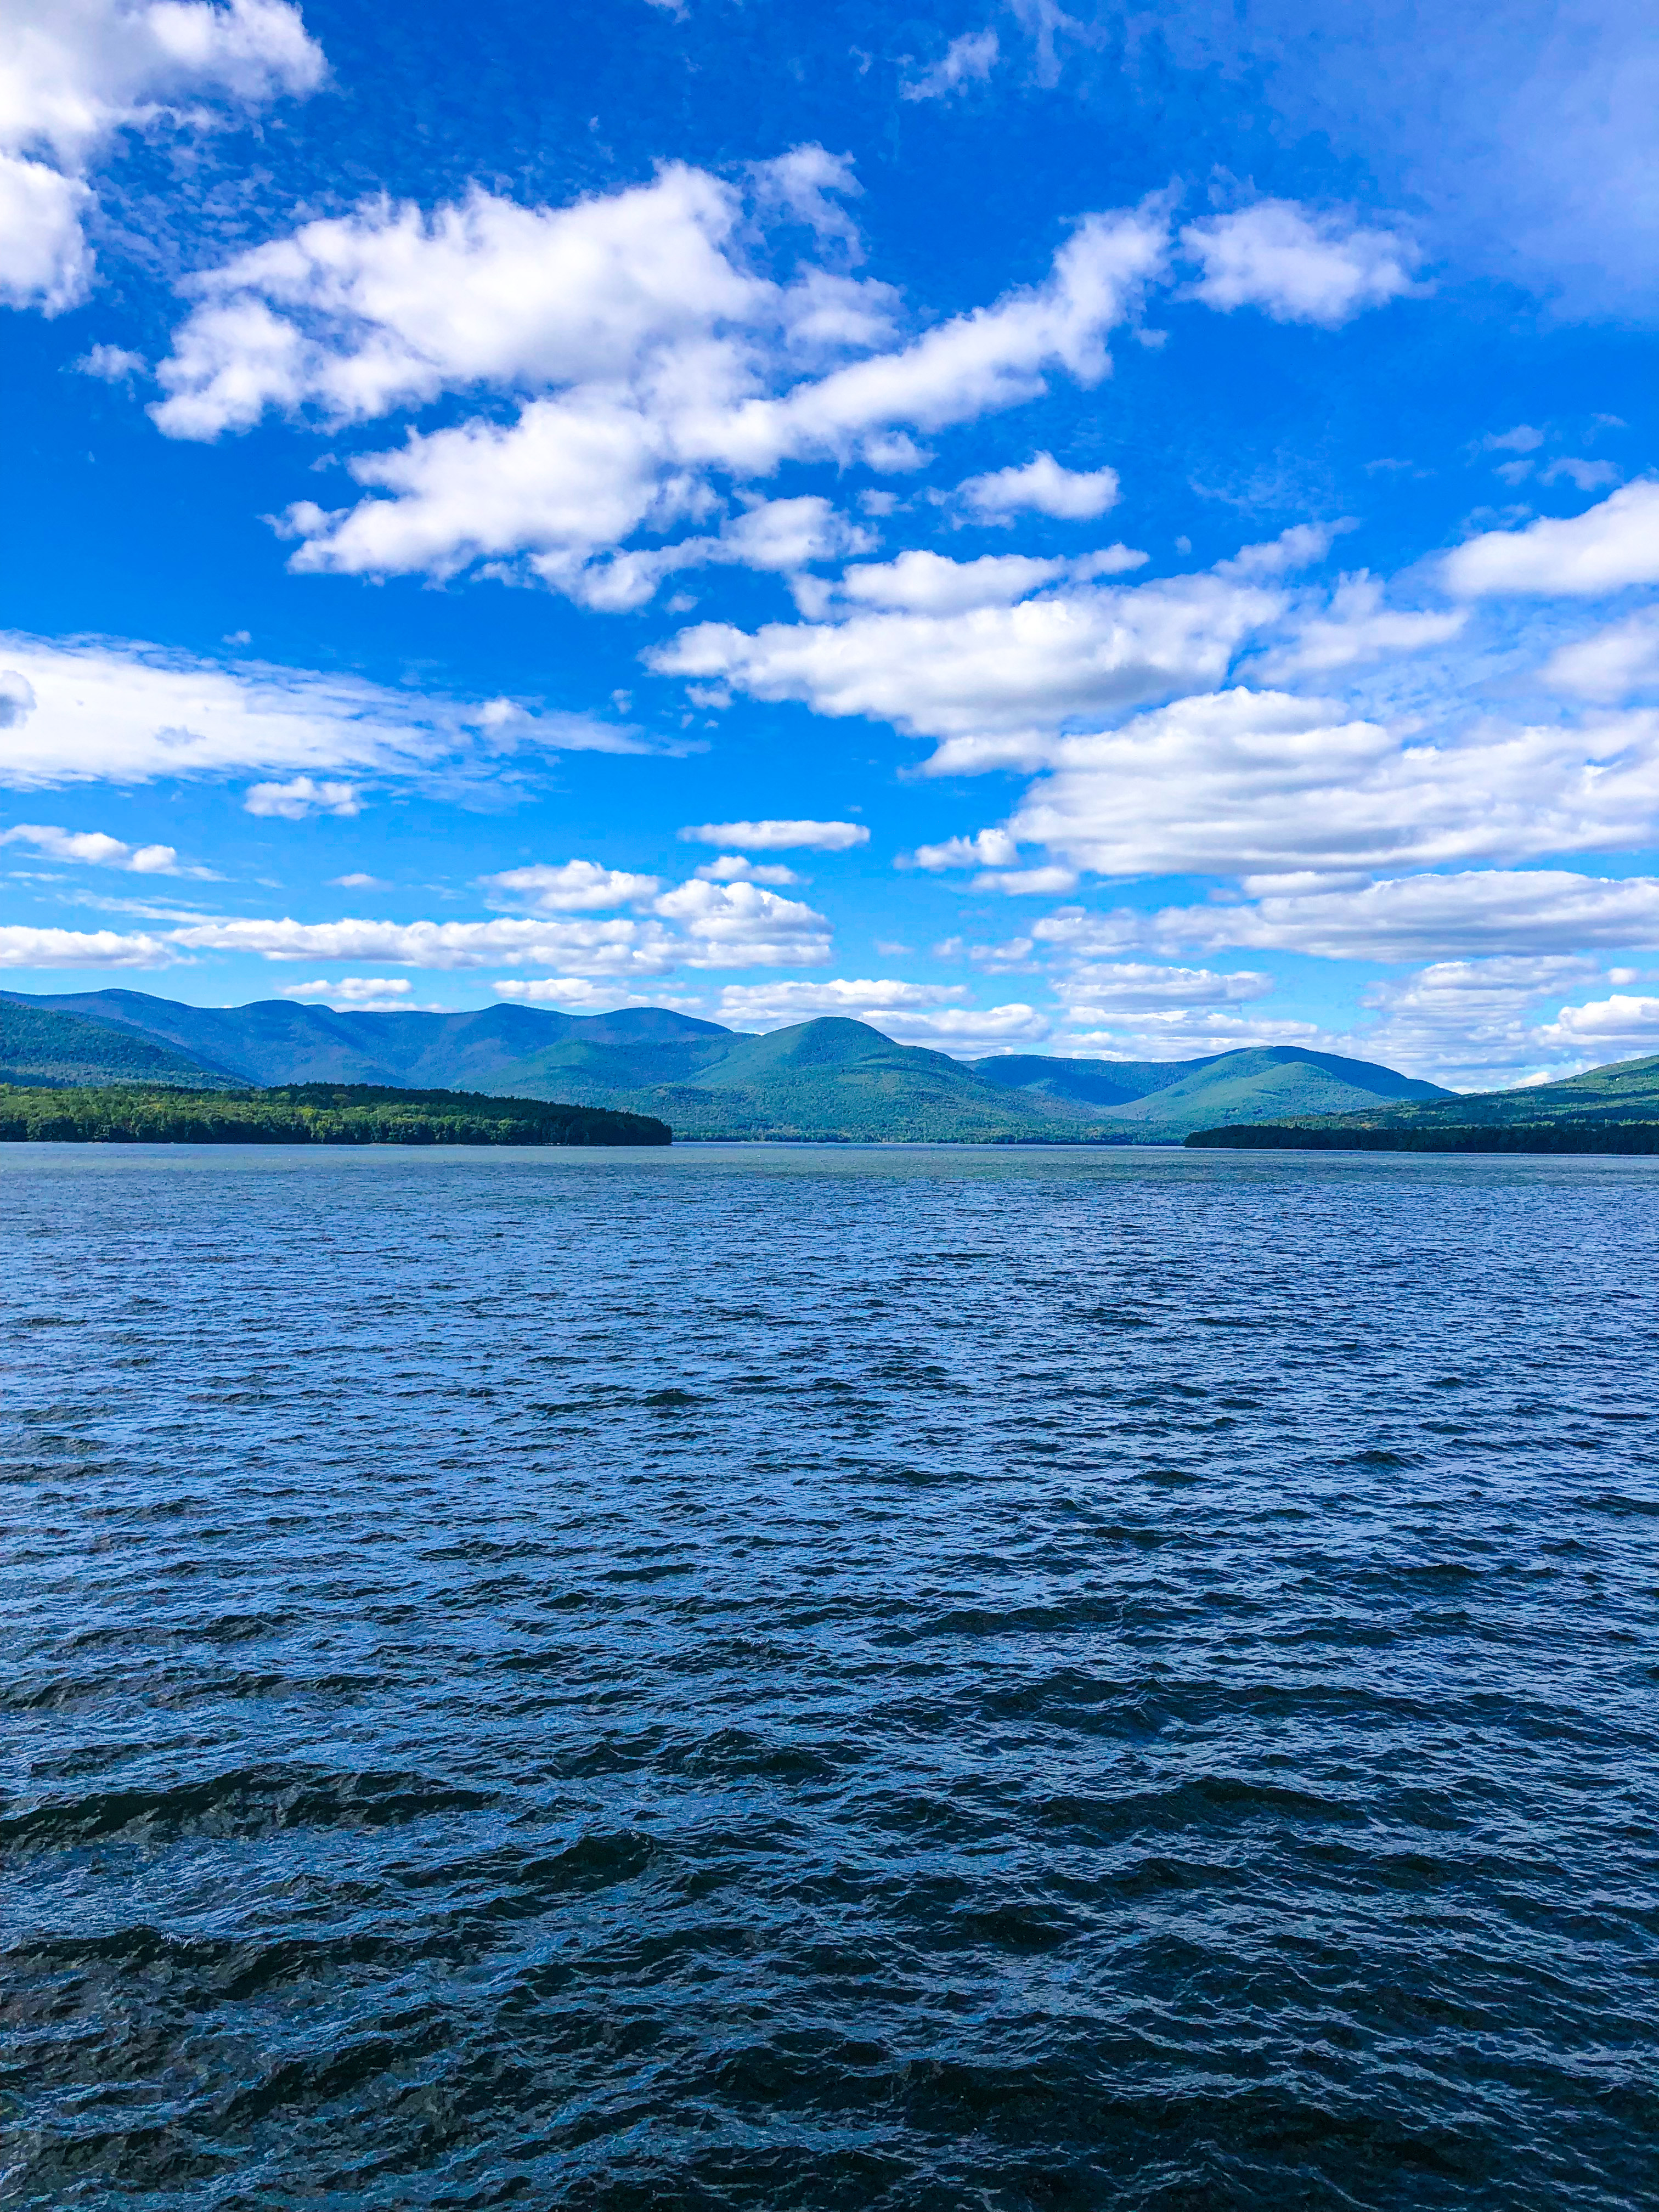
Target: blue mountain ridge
(830,1078)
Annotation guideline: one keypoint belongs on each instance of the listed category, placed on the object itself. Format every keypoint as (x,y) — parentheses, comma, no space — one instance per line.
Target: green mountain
(1157,1102)
(54,1050)
(1617,1104)
(829,1079)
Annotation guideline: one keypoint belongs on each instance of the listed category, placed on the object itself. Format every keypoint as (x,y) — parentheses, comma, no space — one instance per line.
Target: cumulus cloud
(74,73)
(967,60)
(22,947)
(93,848)
(579,993)
(107,711)
(860,1000)
(994,682)
(1108,991)
(645,356)
(742,925)
(1617,1027)
(18,699)
(1042,486)
(1296,265)
(777,837)
(1241,781)
(1299,547)
(1470,1022)
(928,583)
(369,991)
(110,364)
(1601,551)
(573,887)
(1428,917)
(612,948)
(1612,664)
(733,868)
(1356,627)
(300,798)
(698,924)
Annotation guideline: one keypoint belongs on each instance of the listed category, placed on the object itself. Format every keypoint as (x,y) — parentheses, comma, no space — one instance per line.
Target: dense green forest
(1607,1109)
(1609,1137)
(308,1114)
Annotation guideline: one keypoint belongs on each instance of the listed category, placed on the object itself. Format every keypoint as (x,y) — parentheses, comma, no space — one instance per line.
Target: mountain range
(1623,1096)
(825,1079)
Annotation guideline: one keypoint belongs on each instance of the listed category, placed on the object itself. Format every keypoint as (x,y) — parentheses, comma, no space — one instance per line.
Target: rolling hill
(57,1051)
(825,1079)
(1613,1107)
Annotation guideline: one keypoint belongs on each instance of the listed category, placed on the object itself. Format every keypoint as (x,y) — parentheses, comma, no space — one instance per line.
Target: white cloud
(987,848)
(1027,883)
(1298,267)
(1356,627)
(992,681)
(614,948)
(744,926)
(773,837)
(298,799)
(968,1032)
(581,993)
(967,60)
(1588,475)
(93,848)
(1043,487)
(574,887)
(1524,439)
(370,992)
(645,354)
(1612,664)
(74,73)
(866,1000)
(21,947)
(1468,1022)
(1299,547)
(44,259)
(1527,912)
(928,583)
(1114,990)
(1603,549)
(110,364)
(17,698)
(107,711)
(357,882)
(1193,1032)
(1242,781)
(733,868)
(1616,1028)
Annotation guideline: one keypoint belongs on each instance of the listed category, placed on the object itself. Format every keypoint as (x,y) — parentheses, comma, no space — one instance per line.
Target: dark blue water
(829,1679)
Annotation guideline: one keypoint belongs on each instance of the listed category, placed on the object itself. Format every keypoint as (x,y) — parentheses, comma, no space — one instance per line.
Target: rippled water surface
(828,1678)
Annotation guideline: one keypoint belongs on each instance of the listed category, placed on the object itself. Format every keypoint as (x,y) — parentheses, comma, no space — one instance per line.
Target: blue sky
(1046,530)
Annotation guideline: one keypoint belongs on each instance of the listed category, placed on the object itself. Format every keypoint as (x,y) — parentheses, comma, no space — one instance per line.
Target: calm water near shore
(908,1678)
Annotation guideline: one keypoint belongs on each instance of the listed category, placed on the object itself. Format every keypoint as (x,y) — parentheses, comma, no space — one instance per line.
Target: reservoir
(907,1679)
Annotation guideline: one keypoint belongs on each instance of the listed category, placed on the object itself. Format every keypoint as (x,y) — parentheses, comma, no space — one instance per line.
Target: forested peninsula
(307,1113)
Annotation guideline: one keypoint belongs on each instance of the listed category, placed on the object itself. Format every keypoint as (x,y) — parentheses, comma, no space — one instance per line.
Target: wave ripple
(811,1679)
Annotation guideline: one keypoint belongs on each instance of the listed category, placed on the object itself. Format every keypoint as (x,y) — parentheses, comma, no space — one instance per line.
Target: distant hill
(831,1079)
(1617,1104)
(54,1050)
(1159,1101)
